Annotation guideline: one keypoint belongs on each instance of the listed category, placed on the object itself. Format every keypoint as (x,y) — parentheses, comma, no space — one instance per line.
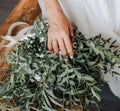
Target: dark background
(5,8)
(109,101)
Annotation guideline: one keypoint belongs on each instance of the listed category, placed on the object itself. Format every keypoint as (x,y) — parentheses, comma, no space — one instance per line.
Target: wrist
(53,9)
(55,18)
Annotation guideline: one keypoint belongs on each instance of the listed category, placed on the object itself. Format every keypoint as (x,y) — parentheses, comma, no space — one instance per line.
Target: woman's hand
(59,36)
(60,30)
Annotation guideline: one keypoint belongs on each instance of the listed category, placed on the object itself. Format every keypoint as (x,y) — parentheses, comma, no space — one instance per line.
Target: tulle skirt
(94,17)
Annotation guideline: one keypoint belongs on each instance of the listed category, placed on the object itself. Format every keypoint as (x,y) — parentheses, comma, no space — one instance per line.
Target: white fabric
(22,35)
(93,17)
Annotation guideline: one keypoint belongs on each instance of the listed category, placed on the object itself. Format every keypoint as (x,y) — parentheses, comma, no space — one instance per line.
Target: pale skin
(60,30)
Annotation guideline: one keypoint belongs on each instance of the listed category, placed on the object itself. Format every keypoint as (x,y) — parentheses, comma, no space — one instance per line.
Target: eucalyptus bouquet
(40,81)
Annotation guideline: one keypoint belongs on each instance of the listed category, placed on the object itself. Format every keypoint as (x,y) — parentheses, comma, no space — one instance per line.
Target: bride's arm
(60,29)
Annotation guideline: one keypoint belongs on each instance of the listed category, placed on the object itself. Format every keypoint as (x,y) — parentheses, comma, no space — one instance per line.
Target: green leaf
(95,94)
(87,78)
(46,99)
(54,101)
(12,80)
(61,83)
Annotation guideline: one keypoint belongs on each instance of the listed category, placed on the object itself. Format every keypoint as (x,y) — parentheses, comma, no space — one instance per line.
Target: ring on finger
(54,39)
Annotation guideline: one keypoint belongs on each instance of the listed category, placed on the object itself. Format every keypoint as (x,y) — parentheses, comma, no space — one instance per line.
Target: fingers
(62,47)
(60,41)
(50,45)
(71,31)
(63,44)
(68,44)
(72,34)
(55,46)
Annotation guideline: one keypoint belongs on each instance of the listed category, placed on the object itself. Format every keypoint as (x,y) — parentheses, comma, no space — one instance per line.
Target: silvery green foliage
(40,81)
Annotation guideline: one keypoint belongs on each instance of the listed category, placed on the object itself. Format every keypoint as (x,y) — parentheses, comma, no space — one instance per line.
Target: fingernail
(66,60)
(60,53)
(71,57)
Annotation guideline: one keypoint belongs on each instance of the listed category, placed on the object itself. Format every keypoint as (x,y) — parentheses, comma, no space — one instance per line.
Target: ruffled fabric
(94,17)
(23,34)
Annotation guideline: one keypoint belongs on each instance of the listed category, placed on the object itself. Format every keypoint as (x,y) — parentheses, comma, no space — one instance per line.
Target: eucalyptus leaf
(43,82)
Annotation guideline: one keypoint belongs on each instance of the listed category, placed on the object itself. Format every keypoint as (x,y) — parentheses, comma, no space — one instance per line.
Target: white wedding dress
(93,17)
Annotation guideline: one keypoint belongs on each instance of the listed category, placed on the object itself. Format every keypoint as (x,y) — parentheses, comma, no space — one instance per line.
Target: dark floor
(5,7)
(108,103)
